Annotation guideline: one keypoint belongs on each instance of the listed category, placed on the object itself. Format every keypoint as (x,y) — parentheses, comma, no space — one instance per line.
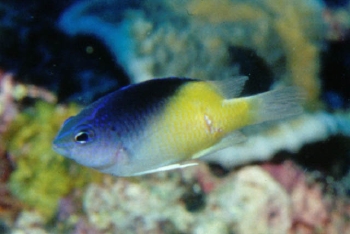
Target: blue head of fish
(83,139)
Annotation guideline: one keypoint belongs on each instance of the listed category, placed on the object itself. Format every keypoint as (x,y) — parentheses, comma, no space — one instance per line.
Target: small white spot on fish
(210,126)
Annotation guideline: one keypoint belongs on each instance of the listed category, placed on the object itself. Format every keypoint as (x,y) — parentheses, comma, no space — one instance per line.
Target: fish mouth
(60,146)
(60,150)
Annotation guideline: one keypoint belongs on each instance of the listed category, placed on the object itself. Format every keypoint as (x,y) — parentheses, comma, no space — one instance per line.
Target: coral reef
(291,203)
(277,198)
(12,92)
(9,205)
(296,39)
(273,42)
(8,109)
(147,44)
(41,177)
(30,222)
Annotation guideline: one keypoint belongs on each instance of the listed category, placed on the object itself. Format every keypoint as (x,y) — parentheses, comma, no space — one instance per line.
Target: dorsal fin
(230,87)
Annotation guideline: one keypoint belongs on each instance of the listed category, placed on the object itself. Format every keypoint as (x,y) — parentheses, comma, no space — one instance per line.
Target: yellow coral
(302,54)
(218,11)
(42,177)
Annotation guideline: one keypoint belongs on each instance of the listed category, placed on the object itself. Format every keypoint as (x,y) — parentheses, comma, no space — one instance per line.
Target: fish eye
(84,136)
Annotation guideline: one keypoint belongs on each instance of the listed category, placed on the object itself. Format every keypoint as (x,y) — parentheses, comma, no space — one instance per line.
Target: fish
(168,123)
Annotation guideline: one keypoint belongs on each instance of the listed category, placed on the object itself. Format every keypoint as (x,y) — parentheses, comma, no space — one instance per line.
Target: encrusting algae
(41,176)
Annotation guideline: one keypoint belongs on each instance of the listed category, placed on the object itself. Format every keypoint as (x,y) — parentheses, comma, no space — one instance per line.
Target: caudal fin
(276,104)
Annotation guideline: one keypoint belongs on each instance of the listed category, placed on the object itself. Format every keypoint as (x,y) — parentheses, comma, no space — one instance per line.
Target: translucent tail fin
(276,104)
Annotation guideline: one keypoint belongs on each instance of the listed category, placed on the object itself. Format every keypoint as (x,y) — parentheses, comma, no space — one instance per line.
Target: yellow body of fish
(196,118)
(156,125)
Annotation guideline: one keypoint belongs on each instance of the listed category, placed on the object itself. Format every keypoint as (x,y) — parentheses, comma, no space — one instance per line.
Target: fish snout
(59,148)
